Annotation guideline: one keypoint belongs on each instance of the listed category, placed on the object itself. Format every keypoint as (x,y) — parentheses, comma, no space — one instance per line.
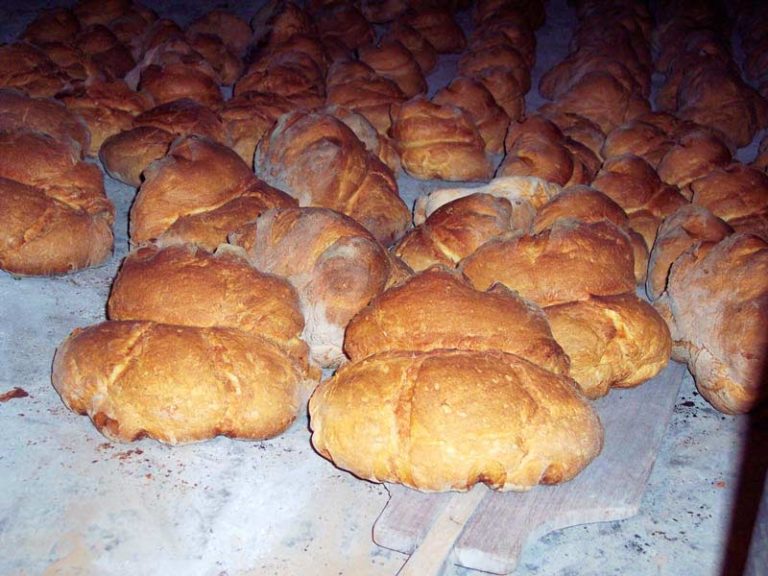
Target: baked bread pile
(169,366)
(270,239)
(752,25)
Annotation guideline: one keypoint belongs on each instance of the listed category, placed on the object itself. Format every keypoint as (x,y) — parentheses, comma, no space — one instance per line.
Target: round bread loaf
(716,305)
(731,192)
(233,30)
(338,270)
(445,420)
(394,61)
(612,341)
(319,160)
(439,142)
(411,316)
(186,286)
(177,384)
(696,154)
(570,261)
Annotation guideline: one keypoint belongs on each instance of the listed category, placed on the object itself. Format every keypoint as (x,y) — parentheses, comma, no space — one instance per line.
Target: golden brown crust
(570,261)
(177,384)
(318,160)
(716,304)
(473,98)
(197,175)
(177,80)
(27,68)
(442,420)
(424,53)
(126,154)
(731,192)
(40,235)
(613,341)
(178,284)
(679,231)
(344,22)
(411,316)
(339,269)
(439,142)
(696,154)
(457,229)
(639,138)
(390,59)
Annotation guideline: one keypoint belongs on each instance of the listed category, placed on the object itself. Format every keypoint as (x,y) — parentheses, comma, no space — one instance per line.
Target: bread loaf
(338,270)
(716,305)
(570,261)
(612,341)
(177,384)
(445,420)
(695,154)
(395,62)
(439,28)
(411,316)
(319,161)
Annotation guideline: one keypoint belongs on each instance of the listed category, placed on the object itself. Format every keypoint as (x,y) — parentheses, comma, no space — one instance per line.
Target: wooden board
(611,487)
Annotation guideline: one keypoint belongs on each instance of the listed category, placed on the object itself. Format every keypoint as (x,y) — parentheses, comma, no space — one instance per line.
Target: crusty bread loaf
(503,71)
(612,341)
(639,138)
(42,235)
(731,192)
(475,99)
(457,229)
(424,53)
(52,25)
(696,154)
(126,154)
(439,142)
(187,286)
(411,316)
(345,23)
(570,261)
(578,129)
(27,68)
(177,384)
(716,305)
(178,80)
(233,30)
(394,61)
(198,194)
(338,270)
(679,231)
(318,160)
(381,145)
(439,28)
(44,116)
(521,191)
(225,63)
(383,11)
(444,420)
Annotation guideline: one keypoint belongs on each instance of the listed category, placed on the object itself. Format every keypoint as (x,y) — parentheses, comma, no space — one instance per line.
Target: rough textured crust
(731,192)
(679,231)
(337,272)
(394,61)
(569,261)
(439,142)
(457,229)
(424,53)
(612,341)
(411,316)
(233,30)
(41,235)
(187,286)
(445,420)
(695,154)
(639,138)
(126,154)
(716,305)
(472,97)
(318,160)
(177,384)
(439,28)
(518,190)
(196,176)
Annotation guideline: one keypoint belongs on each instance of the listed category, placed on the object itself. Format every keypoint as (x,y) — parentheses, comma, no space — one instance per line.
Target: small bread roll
(318,160)
(176,285)
(473,98)
(411,316)
(439,142)
(570,261)
(679,231)
(394,61)
(439,28)
(339,269)
(445,420)
(612,341)
(355,85)
(457,229)
(716,305)
(177,384)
